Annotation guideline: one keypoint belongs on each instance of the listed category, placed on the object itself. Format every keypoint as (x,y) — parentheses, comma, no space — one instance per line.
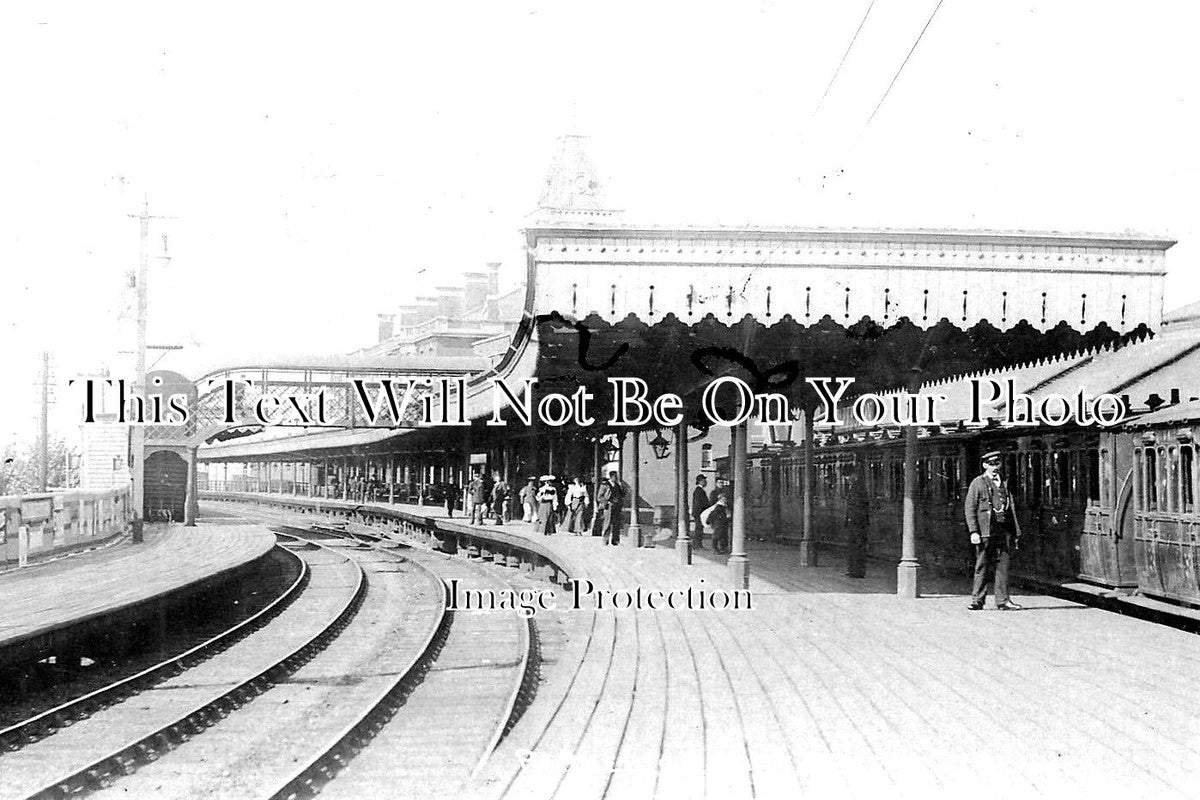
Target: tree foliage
(20,472)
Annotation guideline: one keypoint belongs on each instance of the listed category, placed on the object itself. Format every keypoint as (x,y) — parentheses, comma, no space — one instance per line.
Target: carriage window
(1015,472)
(1165,469)
(1151,491)
(897,478)
(953,479)
(1037,489)
(1170,488)
(1060,477)
(1187,478)
(1092,463)
(1139,481)
(706,456)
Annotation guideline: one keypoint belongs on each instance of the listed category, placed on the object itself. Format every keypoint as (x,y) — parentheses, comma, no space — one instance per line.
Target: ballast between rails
(303,779)
(489,779)
(324,765)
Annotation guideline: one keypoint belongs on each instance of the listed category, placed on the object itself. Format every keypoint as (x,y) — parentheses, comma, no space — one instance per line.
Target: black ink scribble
(777,377)
(585,340)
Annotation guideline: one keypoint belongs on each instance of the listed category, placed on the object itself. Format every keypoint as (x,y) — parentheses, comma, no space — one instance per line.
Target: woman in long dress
(547,503)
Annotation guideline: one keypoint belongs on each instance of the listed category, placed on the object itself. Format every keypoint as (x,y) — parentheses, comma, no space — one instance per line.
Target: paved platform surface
(44,597)
(834,687)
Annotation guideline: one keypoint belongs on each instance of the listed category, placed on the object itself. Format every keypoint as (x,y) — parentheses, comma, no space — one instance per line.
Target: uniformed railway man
(995,531)
(609,499)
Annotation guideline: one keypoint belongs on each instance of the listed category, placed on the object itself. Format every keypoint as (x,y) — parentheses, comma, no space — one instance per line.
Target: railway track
(444,717)
(415,756)
(112,741)
(409,701)
(441,718)
(411,758)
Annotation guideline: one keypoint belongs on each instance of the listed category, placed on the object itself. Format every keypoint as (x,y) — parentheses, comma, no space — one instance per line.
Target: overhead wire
(896,77)
(845,55)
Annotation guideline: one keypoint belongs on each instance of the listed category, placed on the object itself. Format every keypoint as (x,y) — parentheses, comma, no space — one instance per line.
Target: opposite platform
(46,600)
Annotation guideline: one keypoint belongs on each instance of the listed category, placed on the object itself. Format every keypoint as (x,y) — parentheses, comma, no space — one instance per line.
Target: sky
(317,166)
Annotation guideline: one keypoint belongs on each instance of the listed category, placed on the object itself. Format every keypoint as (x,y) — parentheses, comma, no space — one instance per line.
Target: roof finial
(572,192)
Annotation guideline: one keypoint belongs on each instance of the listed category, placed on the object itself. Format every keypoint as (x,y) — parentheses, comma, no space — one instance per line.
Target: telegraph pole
(44,447)
(137,433)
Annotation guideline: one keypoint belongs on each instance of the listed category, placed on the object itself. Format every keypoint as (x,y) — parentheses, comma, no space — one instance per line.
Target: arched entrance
(165,480)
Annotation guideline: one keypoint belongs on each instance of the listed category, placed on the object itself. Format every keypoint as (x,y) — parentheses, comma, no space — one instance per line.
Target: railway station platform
(46,604)
(834,687)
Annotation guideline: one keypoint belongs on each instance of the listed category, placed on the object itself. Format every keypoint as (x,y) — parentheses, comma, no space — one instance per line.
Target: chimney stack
(449,301)
(425,309)
(386,325)
(476,291)
(493,274)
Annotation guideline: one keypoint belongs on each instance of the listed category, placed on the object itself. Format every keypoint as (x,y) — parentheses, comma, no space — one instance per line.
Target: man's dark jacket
(978,507)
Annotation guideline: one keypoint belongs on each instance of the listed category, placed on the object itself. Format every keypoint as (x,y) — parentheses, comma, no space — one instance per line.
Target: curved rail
(328,761)
(46,722)
(358,732)
(519,688)
(501,778)
(128,756)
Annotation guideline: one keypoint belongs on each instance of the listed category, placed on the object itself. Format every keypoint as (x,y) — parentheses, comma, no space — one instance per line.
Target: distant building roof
(359,363)
(263,445)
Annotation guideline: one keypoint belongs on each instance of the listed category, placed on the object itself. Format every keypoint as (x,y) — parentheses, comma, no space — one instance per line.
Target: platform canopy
(796,302)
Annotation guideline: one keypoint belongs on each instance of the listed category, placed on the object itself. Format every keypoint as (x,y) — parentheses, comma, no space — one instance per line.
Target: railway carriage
(1072,488)
(1163,486)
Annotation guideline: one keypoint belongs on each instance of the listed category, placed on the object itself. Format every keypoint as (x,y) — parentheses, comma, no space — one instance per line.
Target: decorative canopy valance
(964,277)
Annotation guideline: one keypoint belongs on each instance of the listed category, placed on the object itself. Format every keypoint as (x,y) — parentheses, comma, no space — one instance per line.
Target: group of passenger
(553,506)
(548,503)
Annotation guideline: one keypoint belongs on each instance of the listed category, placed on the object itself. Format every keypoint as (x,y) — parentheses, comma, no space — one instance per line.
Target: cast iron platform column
(683,541)
(808,542)
(191,503)
(908,570)
(635,490)
(739,562)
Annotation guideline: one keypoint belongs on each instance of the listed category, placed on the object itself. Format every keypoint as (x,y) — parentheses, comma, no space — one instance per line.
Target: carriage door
(1107,541)
(1124,565)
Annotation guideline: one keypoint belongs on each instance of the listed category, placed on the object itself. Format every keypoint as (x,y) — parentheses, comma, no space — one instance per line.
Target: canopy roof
(965,277)
(678,306)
